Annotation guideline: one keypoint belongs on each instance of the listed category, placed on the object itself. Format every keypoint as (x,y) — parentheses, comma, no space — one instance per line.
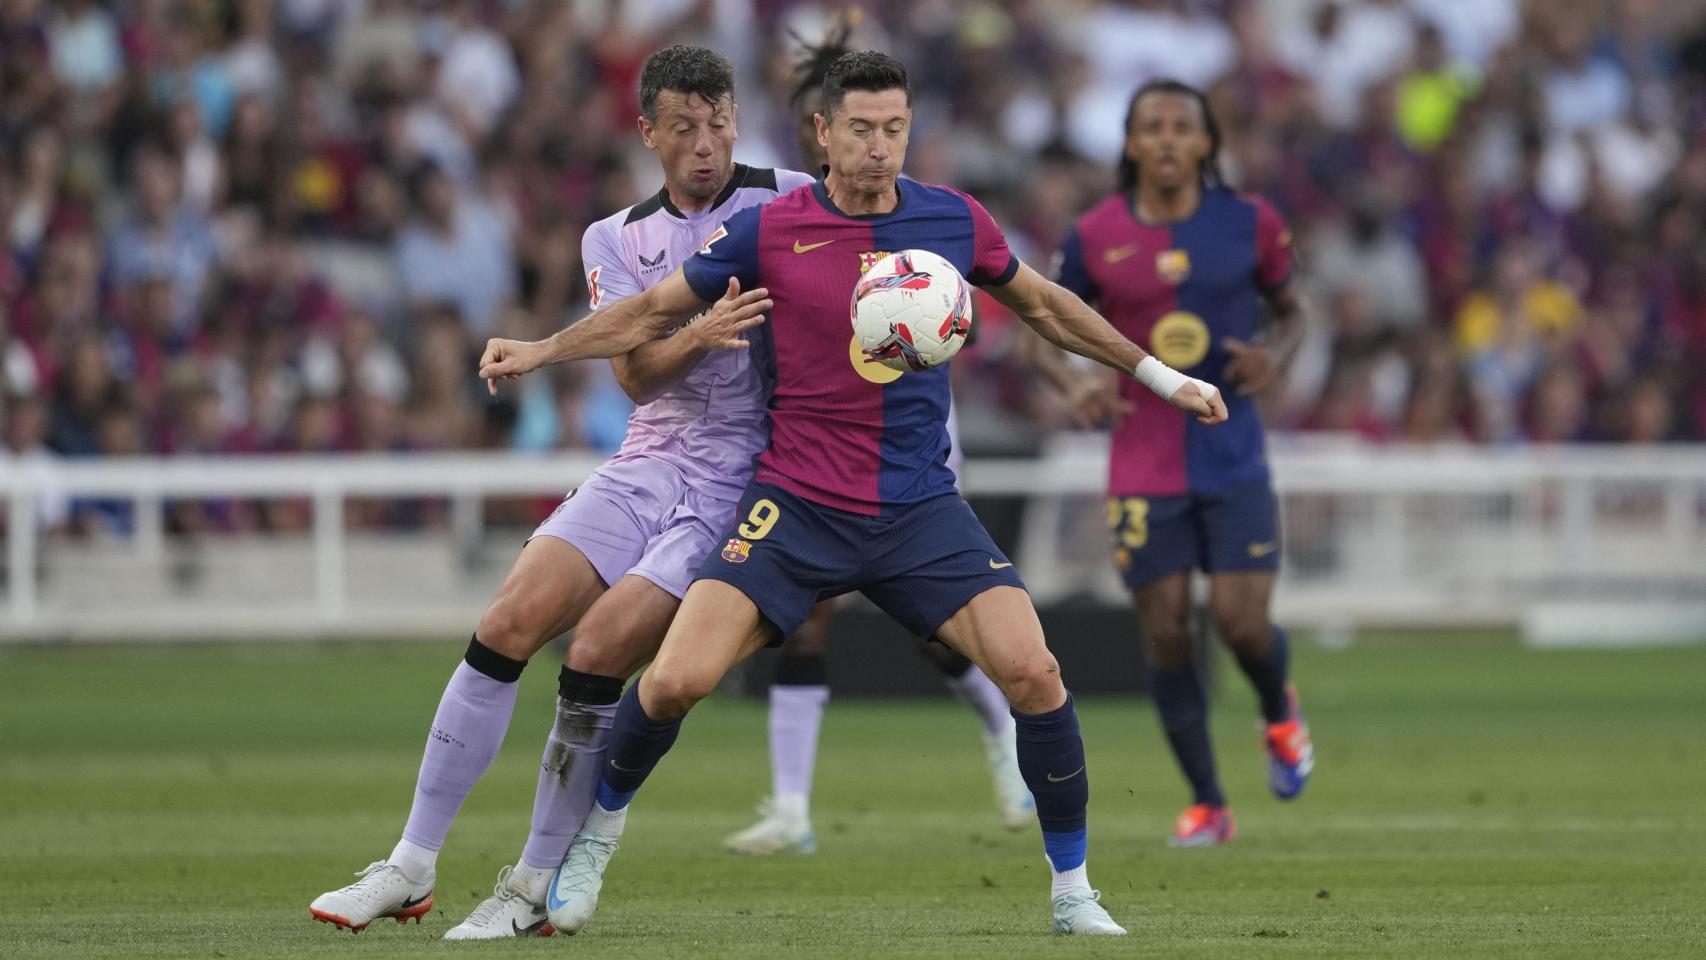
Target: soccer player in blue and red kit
(1180,263)
(852,491)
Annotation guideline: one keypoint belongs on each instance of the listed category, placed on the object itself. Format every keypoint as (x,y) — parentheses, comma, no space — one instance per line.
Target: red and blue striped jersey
(845,431)
(1179,290)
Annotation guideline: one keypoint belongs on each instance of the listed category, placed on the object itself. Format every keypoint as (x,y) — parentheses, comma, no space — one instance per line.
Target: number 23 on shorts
(760,520)
(1128,518)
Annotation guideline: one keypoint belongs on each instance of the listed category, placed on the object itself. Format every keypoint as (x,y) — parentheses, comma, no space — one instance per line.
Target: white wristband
(1166,381)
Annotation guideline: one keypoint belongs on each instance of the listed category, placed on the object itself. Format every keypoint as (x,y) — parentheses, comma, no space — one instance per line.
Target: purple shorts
(641,516)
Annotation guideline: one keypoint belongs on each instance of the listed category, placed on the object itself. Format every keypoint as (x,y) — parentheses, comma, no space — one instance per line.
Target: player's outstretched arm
(1057,314)
(652,368)
(619,328)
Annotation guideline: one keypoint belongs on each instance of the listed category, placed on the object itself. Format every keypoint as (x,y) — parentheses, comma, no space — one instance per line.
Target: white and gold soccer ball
(911,310)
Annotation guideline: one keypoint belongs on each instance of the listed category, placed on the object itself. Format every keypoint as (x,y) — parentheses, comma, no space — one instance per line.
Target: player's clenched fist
(733,314)
(508,359)
(1208,408)
(1198,398)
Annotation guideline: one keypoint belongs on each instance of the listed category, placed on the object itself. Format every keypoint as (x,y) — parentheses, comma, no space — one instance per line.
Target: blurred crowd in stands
(289,225)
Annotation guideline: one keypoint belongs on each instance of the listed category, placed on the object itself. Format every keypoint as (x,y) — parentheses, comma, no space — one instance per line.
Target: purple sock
(977,691)
(796,714)
(568,774)
(467,731)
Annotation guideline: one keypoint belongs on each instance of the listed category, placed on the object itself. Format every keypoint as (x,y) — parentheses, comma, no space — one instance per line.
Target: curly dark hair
(684,69)
(869,70)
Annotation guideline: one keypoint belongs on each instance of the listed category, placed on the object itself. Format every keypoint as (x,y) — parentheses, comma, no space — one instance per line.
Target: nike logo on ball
(999,566)
(809,247)
(1054,779)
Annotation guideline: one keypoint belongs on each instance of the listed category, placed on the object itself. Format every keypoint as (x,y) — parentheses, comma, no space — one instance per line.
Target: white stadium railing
(1579,544)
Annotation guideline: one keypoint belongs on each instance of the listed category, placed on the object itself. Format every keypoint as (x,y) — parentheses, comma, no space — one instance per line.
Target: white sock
(1065,881)
(797,806)
(417,862)
(531,881)
(796,716)
(606,823)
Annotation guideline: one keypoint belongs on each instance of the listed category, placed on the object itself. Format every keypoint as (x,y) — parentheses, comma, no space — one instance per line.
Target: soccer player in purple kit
(1177,261)
(852,491)
(800,689)
(616,556)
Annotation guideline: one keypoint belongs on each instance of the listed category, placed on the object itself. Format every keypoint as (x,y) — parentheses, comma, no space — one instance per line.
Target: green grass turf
(1473,799)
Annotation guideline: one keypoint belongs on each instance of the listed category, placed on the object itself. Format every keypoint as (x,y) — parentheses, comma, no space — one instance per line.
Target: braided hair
(1210,168)
(814,60)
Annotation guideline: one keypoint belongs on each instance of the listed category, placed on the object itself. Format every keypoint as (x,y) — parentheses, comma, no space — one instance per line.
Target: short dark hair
(870,70)
(1210,170)
(684,69)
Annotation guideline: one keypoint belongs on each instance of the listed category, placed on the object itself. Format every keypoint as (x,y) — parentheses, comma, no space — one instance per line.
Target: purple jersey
(712,423)
(847,432)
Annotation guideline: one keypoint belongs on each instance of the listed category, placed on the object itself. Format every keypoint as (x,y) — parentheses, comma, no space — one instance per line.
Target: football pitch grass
(1472,799)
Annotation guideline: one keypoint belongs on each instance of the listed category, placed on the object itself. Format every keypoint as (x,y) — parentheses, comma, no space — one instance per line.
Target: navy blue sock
(637,743)
(1051,758)
(1183,704)
(1267,673)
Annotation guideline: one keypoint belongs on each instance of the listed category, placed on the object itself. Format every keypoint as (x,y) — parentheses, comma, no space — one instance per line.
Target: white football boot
(572,897)
(1077,912)
(382,891)
(511,911)
(1012,797)
(784,826)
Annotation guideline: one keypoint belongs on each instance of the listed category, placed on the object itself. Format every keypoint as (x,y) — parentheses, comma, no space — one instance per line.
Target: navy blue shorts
(1230,530)
(919,566)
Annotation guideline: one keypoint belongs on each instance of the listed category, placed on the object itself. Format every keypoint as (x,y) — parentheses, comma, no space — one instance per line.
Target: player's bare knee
(669,695)
(804,643)
(606,650)
(504,629)
(1169,647)
(1032,684)
(1243,632)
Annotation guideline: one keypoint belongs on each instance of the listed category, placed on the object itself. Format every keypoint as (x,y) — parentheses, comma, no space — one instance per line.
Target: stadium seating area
(243,225)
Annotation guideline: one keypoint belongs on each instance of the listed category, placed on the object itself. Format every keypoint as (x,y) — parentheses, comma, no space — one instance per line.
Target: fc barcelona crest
(869,259)
(736,550)
(1173,266)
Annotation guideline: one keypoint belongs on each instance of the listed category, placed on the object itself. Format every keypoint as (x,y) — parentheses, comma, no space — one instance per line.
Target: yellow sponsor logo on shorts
(736,550)
(1260,550)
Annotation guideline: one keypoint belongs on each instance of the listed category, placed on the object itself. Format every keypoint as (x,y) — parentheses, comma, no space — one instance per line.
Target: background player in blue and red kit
(1183,265)
(853,491)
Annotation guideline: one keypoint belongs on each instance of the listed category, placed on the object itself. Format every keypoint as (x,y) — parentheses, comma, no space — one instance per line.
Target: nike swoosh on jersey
(809,247)
(1054,779)
(1120,253)
(999,566)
